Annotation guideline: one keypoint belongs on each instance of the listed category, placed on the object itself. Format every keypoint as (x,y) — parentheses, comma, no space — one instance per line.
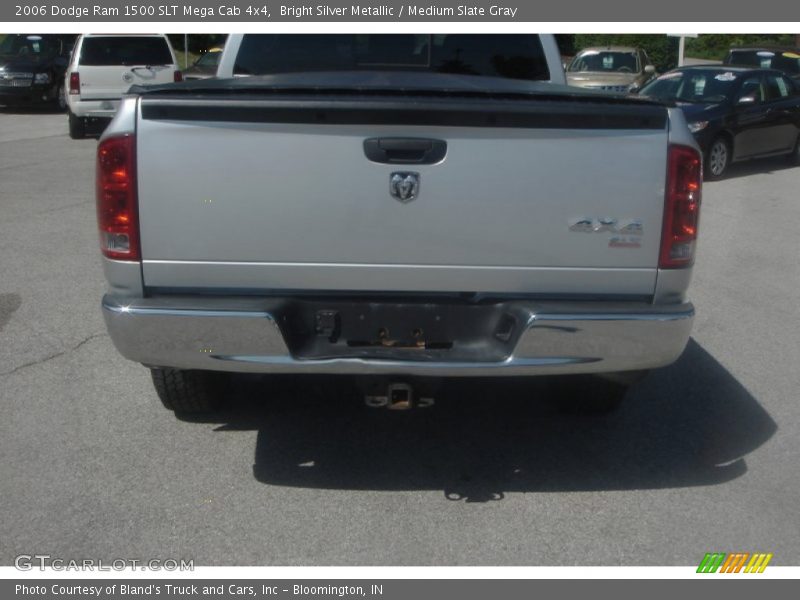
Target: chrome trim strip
(608,317)
(397,277)
(239,263)
(181,312)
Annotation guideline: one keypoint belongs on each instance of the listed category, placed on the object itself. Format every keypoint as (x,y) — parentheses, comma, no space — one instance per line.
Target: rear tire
(61,99)
(590,395)
(189,392)
(77,127)
(794,155)
(718,158)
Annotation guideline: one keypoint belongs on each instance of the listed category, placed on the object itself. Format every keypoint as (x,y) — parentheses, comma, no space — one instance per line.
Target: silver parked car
(611,68)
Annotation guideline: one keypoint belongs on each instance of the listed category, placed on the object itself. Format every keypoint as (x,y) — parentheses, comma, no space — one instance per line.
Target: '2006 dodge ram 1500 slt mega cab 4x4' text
(395,206)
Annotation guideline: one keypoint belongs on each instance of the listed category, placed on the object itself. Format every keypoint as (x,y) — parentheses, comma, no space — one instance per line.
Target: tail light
(117,210)
(74,83)
(681,207)
(178,76)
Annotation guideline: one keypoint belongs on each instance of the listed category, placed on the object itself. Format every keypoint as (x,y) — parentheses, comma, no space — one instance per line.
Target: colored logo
(736,562)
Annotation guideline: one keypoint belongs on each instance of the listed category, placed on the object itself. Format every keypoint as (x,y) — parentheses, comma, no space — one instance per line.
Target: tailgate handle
(417,151)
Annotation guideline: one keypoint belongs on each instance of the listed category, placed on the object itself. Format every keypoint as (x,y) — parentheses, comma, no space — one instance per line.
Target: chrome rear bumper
(242,335)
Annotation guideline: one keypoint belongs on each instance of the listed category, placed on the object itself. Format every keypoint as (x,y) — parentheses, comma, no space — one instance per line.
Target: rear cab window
(504,56)
(102,51)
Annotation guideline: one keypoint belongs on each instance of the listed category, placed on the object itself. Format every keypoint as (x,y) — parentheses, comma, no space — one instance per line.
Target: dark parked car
(32,69)
(784,59)
(734,113)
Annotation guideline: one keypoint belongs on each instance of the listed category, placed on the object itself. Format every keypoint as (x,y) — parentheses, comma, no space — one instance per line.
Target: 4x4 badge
(404,186)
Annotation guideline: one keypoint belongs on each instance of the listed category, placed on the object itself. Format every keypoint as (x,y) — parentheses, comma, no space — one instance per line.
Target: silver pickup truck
(395,207)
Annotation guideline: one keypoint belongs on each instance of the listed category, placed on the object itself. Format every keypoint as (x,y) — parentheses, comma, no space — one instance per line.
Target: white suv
(104,67)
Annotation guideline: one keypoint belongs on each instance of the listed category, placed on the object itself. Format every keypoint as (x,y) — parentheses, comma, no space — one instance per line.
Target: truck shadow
(690,424)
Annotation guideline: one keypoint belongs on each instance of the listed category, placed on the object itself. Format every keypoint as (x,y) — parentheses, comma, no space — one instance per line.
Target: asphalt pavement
(704,456)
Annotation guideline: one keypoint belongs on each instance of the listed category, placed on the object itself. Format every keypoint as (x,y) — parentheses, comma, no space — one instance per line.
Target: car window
(786,61)
(209,59)
(751,87)
(696,85)
(507,56)
(750,58)
(110,51)
(30,45)
(776,88)
(604,61)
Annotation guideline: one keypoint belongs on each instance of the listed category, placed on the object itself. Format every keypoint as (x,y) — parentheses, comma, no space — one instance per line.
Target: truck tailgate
(564,201)
(111,82)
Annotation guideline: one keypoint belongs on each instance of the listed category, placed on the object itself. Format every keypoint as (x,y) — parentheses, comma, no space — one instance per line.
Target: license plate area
(401,330)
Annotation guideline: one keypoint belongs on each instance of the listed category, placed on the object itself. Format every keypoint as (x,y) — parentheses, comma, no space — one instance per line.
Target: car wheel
(588,394)
(61,98)
(189,392)
(77,127)
(718,158)
(794,155)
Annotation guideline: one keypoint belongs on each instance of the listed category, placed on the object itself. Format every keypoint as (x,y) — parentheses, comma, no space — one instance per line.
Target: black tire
(60,101)
(794,155)
(189,392)
(718,158)
(77,127)
(587,394)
